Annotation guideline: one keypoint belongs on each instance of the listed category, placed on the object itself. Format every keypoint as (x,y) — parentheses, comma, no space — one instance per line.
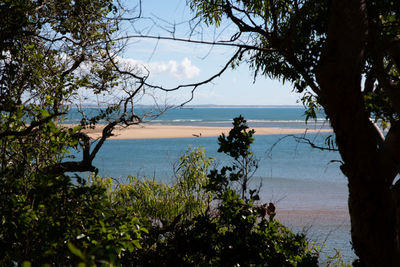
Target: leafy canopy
(285,40)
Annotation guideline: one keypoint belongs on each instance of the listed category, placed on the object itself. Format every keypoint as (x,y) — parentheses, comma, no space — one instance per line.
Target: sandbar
(174,131)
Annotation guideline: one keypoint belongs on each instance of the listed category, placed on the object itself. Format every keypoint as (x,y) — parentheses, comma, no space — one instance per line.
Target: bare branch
(212,43)
(330,144)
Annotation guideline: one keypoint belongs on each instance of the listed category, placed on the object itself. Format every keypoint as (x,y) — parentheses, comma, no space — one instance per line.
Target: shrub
(52,216)
(234,230)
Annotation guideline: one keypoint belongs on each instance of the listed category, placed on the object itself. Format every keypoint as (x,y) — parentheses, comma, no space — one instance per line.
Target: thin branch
(304,140)
(277,42)
(193,85)
(216,43)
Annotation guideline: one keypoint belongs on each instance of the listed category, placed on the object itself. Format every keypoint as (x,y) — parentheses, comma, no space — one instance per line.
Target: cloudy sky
(172,63)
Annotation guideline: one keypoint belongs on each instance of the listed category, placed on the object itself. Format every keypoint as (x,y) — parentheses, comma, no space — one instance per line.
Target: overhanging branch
(32,126)
(216,43)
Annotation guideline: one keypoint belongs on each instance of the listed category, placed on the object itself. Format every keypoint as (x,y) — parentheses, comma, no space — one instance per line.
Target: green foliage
(44,218)
(336,260)
(49,53)
(285,40)
(161,207)
(378,105)
(43,214)
(236,145)
(277,29)
(233,231)
(209,11)
(238,142)
(160,203)
(310,102)
(235,236)
(287,36)
(99,222)
(191,179)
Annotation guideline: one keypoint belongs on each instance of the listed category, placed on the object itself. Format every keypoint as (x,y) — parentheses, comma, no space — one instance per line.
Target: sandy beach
(172,131)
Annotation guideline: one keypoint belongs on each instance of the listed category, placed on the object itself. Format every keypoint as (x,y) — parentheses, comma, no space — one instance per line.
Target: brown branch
(107,132)
(244,27)
(71,166)
(303,140)
(74,66)
(86,164)
(278,44)
(240,51)
(29,129)
(291,58)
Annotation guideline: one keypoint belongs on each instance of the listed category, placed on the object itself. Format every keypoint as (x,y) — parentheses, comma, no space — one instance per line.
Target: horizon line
(213,106)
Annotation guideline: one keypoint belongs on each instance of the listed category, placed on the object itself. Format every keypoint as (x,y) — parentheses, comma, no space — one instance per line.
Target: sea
(305,183)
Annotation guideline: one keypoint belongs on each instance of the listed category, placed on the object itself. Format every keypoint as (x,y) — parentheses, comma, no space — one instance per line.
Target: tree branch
(330,144)
(29,129)
(216,43)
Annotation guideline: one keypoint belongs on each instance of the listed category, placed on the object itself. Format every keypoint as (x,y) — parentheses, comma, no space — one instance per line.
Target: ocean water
(305,184)
(279,117)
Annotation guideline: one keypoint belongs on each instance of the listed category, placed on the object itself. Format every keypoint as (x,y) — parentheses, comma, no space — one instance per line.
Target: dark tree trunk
(371,205)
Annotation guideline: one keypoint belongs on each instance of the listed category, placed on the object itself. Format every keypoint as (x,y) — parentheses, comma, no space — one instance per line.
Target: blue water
(306,184)
(303,182)
(287,159)
(256,117)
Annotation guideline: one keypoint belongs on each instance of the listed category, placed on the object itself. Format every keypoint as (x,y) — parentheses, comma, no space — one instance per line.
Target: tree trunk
(371,205)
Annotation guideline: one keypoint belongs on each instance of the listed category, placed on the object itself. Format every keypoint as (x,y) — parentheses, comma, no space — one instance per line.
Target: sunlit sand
(173,131)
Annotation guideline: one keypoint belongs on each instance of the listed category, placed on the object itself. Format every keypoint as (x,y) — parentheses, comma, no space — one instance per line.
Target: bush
(234,230)
(161,203)
(53,218)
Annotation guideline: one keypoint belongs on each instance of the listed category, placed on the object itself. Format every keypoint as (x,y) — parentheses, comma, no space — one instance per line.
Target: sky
(172,63)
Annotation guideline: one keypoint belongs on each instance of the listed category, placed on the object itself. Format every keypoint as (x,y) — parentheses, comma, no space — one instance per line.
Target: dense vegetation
(199,219)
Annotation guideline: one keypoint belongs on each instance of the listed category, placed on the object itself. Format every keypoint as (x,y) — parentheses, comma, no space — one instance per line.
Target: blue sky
(173,63)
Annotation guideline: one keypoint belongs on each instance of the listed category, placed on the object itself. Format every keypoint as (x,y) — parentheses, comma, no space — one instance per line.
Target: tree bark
(371,205)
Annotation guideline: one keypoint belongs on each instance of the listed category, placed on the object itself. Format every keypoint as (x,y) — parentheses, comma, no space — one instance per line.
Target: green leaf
(136,243)
(74,250)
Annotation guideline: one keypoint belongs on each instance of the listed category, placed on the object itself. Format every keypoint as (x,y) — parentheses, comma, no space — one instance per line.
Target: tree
(237,146)
(344,56)
(52,53)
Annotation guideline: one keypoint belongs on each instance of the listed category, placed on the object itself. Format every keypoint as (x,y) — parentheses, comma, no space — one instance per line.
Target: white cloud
(183,70)
(207,94)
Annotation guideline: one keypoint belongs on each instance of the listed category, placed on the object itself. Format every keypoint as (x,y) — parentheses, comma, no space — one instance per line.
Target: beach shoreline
(175,131)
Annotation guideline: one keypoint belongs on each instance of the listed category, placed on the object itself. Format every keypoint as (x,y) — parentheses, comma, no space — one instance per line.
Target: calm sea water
(288,117)
(306,184)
